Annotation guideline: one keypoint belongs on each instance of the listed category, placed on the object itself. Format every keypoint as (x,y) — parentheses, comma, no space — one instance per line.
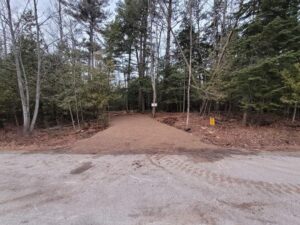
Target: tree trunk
(190,67)
(229,109)
(203,107)
(61,31)
(224,14)
(295,112)
(74,60)
(16,118)
(81,112)
(209,108)
(142,60)
(178,45)
(175,37)
(140,98)
(4,38)
(245,118)
(38,75)
(75,97)
(22,89)
(138,60)
(144,52)
(26,88)
(72,117)
(152,63)
(128,77)
(184,94)
(168,42)
(91,50)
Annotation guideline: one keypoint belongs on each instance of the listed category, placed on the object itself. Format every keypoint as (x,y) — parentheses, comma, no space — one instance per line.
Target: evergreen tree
(267,42)
(91,13)
(291,93)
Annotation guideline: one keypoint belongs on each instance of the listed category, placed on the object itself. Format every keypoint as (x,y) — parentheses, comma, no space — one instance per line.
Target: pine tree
(91,13)
(267,42)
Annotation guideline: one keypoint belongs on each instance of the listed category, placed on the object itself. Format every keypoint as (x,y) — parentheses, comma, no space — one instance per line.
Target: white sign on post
(154,104)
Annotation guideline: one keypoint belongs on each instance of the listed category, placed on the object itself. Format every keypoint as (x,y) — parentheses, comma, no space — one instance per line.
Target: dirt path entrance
(136,134)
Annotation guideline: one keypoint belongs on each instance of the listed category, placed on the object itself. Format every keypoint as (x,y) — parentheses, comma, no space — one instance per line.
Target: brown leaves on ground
(266,133)
(60,137)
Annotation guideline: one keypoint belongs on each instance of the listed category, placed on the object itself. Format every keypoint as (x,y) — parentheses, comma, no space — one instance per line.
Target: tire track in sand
(172,164)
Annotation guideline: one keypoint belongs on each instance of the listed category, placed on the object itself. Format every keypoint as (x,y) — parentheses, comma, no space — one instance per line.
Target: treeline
(194,55)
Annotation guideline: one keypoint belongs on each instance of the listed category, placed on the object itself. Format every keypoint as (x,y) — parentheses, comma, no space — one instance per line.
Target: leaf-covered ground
(55,138)
(269,133)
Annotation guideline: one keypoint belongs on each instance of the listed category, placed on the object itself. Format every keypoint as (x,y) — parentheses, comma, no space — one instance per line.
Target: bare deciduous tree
(39,64)
(190,8)
(152,54)
(21,77)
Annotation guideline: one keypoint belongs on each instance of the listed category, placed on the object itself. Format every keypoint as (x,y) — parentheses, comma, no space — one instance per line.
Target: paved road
(156,189)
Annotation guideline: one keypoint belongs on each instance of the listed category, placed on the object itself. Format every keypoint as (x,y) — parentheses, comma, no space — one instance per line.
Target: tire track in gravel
(172,165)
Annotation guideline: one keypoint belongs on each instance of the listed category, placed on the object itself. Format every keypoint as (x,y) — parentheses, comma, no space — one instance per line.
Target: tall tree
(152,9)
(168,41)
(190,9)
(141,51)
(39,64)
(91,13)
(21,78)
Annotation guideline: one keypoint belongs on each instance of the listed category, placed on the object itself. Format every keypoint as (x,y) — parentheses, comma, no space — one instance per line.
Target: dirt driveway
(138,133)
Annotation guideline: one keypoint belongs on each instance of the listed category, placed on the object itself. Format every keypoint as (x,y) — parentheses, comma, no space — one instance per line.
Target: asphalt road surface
(139,189)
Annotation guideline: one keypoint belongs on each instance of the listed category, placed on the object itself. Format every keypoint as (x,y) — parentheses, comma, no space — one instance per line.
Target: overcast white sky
(45,5)
(46,9)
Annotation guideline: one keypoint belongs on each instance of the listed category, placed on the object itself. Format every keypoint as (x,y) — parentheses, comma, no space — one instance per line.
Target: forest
(74,60)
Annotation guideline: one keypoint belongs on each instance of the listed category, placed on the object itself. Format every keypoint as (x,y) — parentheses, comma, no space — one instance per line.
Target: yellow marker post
(212,121)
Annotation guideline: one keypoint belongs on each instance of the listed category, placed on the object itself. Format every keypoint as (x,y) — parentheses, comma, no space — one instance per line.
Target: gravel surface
(161,189)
